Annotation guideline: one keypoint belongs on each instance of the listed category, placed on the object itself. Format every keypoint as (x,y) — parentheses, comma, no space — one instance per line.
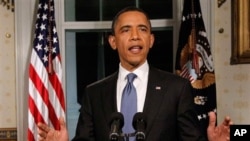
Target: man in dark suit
(163,97)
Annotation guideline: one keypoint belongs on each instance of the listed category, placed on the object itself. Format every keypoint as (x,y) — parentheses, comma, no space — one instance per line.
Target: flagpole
(195,63)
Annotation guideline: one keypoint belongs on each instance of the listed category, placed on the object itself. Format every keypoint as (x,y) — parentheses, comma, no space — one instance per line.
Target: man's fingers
(62,123)
(43,127)
(48,134)
(227,121)
(212,119)
(42,133)
(51,134)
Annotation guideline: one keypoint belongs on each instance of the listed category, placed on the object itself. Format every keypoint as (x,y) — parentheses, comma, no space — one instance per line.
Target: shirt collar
(141,71)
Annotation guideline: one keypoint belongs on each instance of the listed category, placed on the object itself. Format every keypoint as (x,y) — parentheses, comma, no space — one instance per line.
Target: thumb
(212,120)
(62,123)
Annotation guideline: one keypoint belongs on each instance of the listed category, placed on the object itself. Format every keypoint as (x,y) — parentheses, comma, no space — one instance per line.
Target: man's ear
(152,39)
(112,42)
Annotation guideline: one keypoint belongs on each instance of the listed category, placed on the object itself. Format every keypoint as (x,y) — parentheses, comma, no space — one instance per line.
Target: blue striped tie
(129,104)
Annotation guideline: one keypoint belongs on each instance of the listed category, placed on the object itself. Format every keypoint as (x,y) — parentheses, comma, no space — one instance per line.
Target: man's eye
(125,30)
(143,29)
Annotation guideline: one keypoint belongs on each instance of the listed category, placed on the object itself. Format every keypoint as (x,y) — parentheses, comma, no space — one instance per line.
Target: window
(88,56)
(104,10)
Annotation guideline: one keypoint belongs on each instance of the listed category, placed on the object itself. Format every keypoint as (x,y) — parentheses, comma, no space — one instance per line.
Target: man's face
(132,39)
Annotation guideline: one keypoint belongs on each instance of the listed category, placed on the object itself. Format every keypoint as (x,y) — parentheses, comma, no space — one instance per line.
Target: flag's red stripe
(38,84)
(30,136)
(185,72)
(37,117)
(35,112)
(44,94)
(58,89)
(53,117)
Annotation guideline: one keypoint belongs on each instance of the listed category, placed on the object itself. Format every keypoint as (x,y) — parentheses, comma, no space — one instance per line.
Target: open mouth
(135,49)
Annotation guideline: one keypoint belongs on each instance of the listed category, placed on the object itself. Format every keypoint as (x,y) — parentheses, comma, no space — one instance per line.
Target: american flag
(194,60)
(46,96)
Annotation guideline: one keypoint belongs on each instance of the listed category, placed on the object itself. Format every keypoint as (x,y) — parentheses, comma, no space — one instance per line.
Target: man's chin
(136,63)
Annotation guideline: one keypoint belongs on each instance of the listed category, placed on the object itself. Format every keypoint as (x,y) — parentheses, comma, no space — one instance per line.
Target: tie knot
(131,77)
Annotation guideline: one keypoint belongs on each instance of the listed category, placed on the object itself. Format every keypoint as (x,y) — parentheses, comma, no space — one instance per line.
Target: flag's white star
(54,29)
(40,6)
(46,48)
(54,40)
(54,50)
(199,117)
(204,116)
(42,27)
(40,37)
(38,47)
(203,33)
(183,18)
(44,17)
(45,7)
(199,15)
(45,58)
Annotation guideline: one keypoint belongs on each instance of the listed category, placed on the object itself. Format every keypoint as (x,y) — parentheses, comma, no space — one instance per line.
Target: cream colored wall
(7,69)
(233,81)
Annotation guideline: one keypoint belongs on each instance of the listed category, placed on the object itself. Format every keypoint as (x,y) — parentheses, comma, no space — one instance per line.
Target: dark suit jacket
(169,109)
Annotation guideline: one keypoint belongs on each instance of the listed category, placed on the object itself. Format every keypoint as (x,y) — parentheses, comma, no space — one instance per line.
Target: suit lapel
(108,96)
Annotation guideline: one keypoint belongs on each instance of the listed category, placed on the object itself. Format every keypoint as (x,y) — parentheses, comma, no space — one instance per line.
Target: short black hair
(127,9)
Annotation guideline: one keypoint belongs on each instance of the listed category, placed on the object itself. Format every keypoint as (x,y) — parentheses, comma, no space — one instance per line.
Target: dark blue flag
(194,60)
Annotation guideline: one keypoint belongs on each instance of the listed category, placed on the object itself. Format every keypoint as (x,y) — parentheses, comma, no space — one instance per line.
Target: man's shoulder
(162,74)
(108,79)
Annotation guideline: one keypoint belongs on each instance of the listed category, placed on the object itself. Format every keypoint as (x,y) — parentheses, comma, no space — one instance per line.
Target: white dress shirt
(140,83)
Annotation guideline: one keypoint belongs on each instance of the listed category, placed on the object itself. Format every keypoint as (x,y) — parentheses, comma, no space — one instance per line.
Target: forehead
(132,17)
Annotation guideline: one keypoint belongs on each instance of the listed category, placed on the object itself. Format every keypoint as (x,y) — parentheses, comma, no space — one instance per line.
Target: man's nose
(135,35)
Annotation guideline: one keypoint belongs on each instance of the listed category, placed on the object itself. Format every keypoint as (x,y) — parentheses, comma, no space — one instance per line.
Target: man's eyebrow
(129,26)
(125,26)
(143,25)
